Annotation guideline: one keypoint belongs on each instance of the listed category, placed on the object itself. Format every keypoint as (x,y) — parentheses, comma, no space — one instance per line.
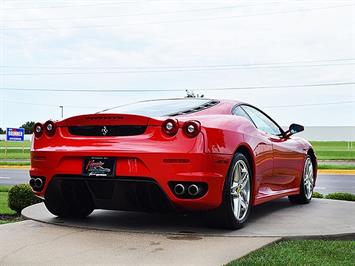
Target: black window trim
(272,120)
(209,104)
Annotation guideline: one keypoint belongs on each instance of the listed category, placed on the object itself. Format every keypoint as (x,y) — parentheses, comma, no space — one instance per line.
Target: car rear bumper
(137,175)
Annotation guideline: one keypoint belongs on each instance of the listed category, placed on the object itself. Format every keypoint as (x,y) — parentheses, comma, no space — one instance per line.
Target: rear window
(162,107)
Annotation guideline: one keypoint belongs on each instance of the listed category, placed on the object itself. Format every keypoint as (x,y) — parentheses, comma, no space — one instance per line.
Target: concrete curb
(276,219)
(350,236)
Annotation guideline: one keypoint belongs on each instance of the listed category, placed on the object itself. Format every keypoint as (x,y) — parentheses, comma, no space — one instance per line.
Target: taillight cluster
(170,127)
(49,128)
(190,128)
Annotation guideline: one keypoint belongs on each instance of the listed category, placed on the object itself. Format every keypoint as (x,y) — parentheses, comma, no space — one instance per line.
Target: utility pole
(62,110)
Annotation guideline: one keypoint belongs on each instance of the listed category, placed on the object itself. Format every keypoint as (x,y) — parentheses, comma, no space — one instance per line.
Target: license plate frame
(99,166)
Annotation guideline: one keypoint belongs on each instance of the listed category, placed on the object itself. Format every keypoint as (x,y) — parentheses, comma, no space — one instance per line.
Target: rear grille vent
(196,109)
(107,130)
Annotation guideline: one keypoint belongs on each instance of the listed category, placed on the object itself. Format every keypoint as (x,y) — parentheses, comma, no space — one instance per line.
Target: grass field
(15,150)
(4,209)
(325,150)
(26,143)
(334,167)
(334,150)
(302,252)
(6,214)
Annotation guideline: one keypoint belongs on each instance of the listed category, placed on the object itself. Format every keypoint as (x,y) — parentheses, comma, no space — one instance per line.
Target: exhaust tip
(32,182)
(38,184)
(193,190)
(179,189)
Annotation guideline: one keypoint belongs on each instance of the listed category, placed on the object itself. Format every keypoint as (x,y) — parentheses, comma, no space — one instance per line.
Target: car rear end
(128,162)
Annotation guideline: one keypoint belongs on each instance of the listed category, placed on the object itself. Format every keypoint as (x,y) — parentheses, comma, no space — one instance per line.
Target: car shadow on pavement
(268,208)
(164,223)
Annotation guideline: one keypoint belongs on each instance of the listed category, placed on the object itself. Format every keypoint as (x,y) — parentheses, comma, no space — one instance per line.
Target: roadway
(326,183)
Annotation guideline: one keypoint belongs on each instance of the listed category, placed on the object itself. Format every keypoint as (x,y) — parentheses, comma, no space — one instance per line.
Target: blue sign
(15,134)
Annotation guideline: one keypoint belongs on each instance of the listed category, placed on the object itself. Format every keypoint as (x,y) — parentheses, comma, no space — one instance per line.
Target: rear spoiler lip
(109,119)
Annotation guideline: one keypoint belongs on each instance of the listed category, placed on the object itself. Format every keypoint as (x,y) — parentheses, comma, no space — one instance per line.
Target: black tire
(69,200)
(304,197)
(224,216)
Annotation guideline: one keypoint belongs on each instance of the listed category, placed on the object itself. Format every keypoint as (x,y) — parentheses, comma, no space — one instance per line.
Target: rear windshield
(159,107)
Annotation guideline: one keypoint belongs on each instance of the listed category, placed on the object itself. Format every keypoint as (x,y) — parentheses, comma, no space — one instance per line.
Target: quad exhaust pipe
(36,183)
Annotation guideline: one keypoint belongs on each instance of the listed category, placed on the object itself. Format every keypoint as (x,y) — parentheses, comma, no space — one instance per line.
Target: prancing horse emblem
(104,131)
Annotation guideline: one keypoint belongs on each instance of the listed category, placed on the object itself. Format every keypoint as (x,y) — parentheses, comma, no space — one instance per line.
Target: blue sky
(92,44)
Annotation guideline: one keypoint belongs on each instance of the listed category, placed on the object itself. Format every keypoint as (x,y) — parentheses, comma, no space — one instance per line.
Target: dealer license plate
(99,166)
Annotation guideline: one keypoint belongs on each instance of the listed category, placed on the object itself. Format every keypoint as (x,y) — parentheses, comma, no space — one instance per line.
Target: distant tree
(28,126)
(191,94)
(2,131)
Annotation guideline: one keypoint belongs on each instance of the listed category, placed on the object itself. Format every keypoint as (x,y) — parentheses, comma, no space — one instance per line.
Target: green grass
(26,143)
(335,196)
(334,150)
(15,155)
(336,167)
(317,195)
(4,208)
(18,153)
(302,252)
(15,163)
(6,214)
(4,188)
(341,196)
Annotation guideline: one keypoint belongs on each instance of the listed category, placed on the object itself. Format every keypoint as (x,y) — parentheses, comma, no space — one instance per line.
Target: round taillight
(192,128)
(49,127)
(170,127)
(38,130)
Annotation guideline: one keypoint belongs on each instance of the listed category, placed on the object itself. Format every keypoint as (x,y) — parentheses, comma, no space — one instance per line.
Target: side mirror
(293,129)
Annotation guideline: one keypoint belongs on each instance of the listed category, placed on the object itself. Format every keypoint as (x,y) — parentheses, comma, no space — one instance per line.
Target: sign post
(15,134)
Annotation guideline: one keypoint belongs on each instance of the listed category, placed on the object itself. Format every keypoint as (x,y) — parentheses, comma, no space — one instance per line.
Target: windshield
(158,107)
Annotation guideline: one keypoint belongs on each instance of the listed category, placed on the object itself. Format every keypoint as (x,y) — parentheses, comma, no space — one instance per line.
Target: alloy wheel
(308,178)
(240,190)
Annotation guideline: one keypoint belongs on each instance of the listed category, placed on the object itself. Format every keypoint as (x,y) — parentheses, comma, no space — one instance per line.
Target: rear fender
(224,133)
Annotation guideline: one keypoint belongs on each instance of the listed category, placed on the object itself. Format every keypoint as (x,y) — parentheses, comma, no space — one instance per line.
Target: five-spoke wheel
(237,195)
(240,190)
(307,184)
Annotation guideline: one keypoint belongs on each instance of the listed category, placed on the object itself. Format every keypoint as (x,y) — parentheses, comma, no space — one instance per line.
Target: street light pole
(62,110)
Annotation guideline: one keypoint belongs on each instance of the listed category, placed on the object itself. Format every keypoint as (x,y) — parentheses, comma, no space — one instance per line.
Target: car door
(263,152)
(285,157)
(288,161)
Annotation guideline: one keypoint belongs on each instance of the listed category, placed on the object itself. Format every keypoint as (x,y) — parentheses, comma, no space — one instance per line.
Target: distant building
(328,133)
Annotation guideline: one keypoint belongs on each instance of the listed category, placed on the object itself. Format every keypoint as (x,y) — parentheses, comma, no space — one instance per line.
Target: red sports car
(190,154)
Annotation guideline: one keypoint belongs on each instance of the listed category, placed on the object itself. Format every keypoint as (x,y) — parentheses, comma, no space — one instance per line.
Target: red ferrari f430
(190,154)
